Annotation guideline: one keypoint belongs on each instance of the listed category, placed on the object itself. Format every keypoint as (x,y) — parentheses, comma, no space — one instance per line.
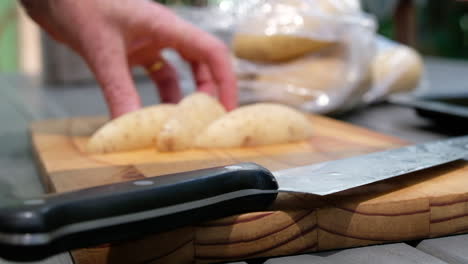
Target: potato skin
(135,130)
(276,48)
(315,73)
(401,65)
(255,125)
(193,114)
(289,41)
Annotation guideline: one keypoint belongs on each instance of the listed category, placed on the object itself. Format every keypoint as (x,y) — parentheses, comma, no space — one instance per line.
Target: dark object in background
(443,28)
(450,110)
(405,22)
(433,27)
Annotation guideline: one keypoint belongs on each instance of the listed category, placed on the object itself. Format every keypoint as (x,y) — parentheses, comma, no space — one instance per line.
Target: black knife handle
(37,228)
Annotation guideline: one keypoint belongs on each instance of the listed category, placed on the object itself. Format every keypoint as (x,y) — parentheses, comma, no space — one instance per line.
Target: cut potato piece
(193,114)
(254,125)
(131,131)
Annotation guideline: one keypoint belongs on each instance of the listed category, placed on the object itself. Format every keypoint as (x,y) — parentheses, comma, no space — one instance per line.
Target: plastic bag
(395,68)
(321,56)
(312,54)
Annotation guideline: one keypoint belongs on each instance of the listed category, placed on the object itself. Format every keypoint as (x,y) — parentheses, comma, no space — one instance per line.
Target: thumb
(106,56)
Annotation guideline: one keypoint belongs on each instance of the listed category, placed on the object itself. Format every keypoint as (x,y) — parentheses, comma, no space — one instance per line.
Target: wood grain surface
(425,204)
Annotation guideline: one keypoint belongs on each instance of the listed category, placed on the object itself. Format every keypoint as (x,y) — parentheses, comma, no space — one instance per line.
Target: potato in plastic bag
(281,30)
(311,54)
(396,68)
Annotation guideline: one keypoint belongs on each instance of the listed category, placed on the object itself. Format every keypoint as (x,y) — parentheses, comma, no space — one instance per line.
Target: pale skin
(115,35)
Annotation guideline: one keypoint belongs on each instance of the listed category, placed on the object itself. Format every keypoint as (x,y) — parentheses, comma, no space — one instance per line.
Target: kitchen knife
(36,228)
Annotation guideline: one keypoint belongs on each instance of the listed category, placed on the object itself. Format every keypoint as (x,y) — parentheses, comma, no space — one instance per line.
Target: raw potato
(276,48)
(314,73)
(306,79)
(193,114)
(400,67)
(255,125)
(339,7)
(131,131)
(289,40)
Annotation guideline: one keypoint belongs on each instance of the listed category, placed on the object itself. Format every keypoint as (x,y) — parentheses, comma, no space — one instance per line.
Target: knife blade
(37,228)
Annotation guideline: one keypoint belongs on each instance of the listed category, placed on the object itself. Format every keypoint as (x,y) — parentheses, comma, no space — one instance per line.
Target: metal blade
(338,175)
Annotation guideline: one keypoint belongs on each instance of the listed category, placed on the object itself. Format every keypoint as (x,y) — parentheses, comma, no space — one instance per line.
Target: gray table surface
(24,99)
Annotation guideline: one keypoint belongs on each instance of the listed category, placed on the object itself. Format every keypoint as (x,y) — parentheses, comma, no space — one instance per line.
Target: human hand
(114,35)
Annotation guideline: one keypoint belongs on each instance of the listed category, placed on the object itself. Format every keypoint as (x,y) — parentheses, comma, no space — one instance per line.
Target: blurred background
(435,29)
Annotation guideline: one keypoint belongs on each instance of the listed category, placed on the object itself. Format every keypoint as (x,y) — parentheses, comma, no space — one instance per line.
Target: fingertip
(118,89)
(230,103)
(221,69)
(233,105)
(228,92)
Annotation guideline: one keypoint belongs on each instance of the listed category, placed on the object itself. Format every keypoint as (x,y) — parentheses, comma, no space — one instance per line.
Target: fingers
(106,55)
(221,70)
(197,46)
(164,76)
(162,73)
(214,57)
(203,80)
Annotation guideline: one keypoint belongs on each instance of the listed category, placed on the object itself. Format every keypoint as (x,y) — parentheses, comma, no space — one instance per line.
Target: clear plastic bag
(312,54)
(321,56)
(395,68)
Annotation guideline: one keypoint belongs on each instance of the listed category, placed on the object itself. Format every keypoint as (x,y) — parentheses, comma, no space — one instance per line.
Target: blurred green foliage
(442,27)
(8,36)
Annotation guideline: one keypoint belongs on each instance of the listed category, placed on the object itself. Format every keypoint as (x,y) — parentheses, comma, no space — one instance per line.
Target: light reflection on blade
(338,175)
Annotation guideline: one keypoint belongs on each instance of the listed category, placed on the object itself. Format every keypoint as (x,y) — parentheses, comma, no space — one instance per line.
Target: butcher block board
(425,204)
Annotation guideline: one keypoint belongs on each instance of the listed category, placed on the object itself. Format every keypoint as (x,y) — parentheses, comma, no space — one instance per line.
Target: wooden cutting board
(425,204)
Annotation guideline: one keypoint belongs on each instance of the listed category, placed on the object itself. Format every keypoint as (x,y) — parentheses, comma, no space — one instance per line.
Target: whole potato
(309,78)
(289,30)
(275,48)
(314,73)
(400,67)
